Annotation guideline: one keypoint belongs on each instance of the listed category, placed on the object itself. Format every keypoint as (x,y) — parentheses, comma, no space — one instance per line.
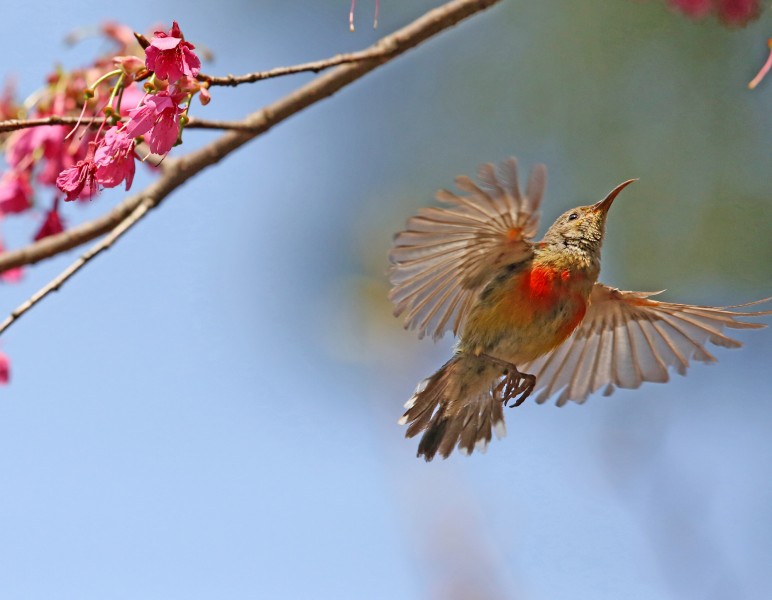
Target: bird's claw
(527,383)
(515,386)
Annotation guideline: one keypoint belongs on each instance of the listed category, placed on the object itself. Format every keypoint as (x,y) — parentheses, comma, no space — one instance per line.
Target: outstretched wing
(627,338)
(447,255)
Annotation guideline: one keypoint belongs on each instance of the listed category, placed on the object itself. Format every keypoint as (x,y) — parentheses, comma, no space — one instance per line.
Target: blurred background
(209,409)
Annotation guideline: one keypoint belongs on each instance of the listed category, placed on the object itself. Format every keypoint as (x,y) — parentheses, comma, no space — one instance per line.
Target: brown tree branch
(55,284)
(15,124)
(197,123)
(179,170)
(193,123)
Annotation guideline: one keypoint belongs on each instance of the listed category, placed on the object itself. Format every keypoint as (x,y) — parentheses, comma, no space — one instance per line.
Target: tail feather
(456,407)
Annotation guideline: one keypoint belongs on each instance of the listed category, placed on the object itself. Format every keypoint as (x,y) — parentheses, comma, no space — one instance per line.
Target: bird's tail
(458,405)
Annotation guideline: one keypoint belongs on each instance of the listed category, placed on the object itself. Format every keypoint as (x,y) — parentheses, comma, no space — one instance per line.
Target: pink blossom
(114,158)
(191,86)
(52,224)
(79,181)
(204,96)
(170,56)
(738,12)
(143,118)
(731,12)
(24,143)
(131,65)
(132,95)
(123,34)
(693,8)
(15,192)
(12,275)
(63,155)
(24,149)
(158,119)
(164,134)
(21,146)
(5,368)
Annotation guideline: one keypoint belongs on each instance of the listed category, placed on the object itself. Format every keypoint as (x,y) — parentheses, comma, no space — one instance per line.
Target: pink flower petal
(693,8)
(141,120)
(738,12)
(15,192)
(164,135)
(80,181)
(5,369)
(52,224)
(166,43)
(170,57)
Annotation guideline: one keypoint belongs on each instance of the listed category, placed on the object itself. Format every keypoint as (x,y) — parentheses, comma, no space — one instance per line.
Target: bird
(530,317)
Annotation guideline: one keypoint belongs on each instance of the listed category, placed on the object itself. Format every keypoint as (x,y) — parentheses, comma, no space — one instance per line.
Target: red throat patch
(540,284)
(544,288)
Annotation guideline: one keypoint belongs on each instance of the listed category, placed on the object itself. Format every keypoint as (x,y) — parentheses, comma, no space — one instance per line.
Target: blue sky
(209,409)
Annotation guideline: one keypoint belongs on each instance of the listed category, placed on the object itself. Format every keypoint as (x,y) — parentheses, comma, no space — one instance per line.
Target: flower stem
(764,70)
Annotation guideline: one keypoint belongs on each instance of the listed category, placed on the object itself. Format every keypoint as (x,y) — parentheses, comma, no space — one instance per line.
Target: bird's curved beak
(605,204)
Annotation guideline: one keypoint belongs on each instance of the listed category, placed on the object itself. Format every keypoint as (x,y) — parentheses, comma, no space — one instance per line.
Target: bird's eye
(573,216)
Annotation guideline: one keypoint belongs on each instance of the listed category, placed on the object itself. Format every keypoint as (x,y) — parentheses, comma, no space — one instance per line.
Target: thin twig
(309,67)
(56,284)
(14,124)
(178,171)
(193,123)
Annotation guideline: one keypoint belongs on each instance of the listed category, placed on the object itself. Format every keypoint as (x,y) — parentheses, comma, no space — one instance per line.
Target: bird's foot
(515,386)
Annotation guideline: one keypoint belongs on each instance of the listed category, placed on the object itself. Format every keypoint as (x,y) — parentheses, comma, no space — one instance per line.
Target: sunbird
(532,316)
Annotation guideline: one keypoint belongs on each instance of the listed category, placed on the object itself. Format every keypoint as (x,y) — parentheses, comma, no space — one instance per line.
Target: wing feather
(601,371)
(653,366)
(447,254)
(555,370)
(581,373)
(626,338)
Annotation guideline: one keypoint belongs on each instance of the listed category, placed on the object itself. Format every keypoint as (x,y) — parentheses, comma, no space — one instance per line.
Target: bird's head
(582,227)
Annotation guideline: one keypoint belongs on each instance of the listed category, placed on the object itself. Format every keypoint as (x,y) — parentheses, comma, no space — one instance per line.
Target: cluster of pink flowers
(147,87)
(82,160)
(730,12)
(109,159)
